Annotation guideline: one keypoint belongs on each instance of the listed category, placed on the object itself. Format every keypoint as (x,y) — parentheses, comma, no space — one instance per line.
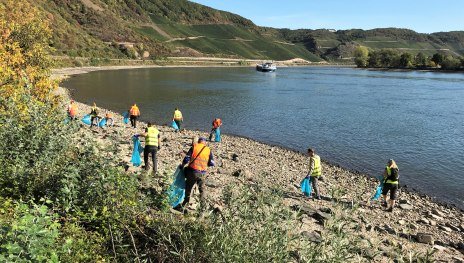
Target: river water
(355,118)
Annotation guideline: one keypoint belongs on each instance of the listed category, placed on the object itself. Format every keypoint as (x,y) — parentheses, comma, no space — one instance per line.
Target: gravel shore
(418,224)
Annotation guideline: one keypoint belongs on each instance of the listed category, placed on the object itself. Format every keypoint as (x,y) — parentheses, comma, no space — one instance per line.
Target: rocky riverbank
(417,225)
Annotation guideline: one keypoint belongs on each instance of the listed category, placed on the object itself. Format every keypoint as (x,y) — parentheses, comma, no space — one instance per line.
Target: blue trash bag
(136,160)
(102,123)
(174,125)
(217,137)
(67,120)
(86,119)
(176,191)
(126,117)
(306,186)
(378,190)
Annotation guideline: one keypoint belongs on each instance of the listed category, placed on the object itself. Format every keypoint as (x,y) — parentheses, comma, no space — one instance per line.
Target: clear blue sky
(424,16)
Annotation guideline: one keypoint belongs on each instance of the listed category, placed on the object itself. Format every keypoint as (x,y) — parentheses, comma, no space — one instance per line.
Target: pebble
(401,222)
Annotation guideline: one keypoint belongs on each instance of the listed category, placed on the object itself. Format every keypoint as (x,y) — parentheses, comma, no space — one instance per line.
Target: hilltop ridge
(162,28)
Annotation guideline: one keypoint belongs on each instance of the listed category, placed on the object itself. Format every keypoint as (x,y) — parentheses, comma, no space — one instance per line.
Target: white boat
(266,67)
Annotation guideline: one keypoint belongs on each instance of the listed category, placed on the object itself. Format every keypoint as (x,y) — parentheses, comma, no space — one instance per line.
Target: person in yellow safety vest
(134,113)
(391,176)
(94,118)
(72,110)
(198,159)
(178,117)
(315,171)
(217,123)
(152,146)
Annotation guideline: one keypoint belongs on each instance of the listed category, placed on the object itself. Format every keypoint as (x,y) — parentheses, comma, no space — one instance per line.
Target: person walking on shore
(109,117)
(72,110)
(391,176)
(178,118)
(134,114)
(94,119)
(315,171)
(197,159)
(217,123)
(152,146)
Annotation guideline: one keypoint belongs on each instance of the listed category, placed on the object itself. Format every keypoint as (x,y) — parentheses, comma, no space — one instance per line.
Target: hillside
(160,28)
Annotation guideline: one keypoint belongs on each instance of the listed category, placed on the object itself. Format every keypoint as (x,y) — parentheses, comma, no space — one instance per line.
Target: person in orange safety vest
(72,110)
(134,113)
(198,159)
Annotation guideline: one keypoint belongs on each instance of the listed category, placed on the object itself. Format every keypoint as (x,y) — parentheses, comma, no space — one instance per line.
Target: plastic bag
(176,192)
(126,117)
(378,190)
(217,136)
(102,123)
(86,119)
(306,186)
(136,160)
(174,125)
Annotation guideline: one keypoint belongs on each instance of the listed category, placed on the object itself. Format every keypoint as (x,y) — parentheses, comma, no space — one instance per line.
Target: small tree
(438,58)
(420,60)
(361,56)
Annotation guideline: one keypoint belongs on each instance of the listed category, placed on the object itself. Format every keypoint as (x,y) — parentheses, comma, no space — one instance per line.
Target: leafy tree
(389,58)
(374,59)
(450,63)
(438,58)
(420,60)
(406,60)
(361,54)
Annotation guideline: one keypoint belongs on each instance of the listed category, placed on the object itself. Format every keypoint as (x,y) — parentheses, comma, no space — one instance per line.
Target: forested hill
(159,28)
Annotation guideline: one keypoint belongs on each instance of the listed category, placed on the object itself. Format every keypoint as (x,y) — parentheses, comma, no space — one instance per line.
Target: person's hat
(202,139)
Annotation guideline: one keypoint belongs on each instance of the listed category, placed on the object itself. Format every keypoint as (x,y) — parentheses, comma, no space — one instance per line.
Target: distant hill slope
(134,28)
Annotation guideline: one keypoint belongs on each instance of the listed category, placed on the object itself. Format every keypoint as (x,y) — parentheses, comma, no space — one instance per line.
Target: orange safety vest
(73,110)
(217,123)
(134,111)
(200,162)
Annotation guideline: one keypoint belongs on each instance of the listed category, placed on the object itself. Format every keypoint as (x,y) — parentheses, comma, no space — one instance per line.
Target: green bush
(29,234)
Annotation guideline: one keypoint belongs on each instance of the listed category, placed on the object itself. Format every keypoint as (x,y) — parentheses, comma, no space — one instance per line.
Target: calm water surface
(356,118)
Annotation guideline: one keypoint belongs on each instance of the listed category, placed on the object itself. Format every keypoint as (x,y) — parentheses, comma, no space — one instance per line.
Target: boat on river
(266,67)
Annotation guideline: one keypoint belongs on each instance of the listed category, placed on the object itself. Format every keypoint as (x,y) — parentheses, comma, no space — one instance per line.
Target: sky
(424,16)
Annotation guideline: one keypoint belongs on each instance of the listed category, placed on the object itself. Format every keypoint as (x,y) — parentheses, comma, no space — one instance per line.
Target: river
(355,118)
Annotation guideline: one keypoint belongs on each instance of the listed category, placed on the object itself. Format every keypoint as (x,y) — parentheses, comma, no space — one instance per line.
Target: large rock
(312,236)
(305,209)
(445,228)
(406,206)
(322,216)
(438,212)
(425,238)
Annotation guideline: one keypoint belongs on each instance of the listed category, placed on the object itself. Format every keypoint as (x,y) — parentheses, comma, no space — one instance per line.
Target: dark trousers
(133,120)
(94,119)
(150,150)
(194,177)
(178,122)
(314,180)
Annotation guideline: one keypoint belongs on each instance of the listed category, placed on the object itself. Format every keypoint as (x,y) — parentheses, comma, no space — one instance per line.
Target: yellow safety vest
(317,166)
(388,181)
(177,115)
(152,136)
